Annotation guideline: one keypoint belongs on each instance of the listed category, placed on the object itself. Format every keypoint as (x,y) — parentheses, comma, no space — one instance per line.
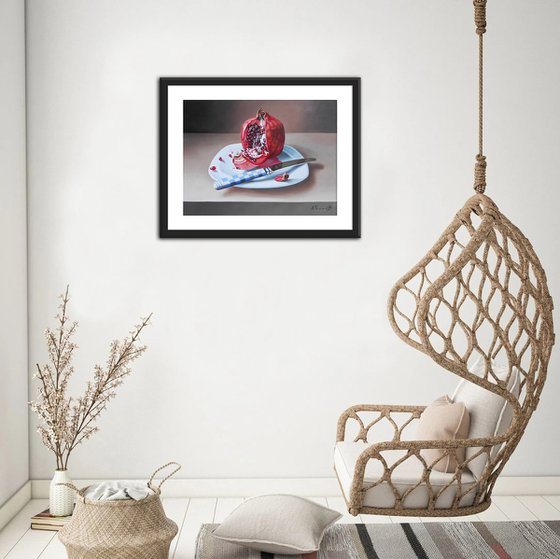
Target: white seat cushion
(405,476)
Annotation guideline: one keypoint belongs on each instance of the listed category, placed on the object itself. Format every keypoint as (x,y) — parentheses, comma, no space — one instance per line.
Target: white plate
(225,169)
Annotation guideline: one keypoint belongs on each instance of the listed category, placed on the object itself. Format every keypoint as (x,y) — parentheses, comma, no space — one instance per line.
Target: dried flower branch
(65,421)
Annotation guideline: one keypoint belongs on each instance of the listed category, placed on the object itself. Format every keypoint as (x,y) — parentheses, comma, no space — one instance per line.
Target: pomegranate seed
(212,168)
(282,178)
(222,160)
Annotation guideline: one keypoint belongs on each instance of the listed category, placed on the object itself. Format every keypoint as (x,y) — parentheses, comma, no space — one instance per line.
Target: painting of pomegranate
(259,157)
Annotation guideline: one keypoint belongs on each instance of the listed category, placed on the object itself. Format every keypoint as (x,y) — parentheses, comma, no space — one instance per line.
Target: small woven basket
(124,529)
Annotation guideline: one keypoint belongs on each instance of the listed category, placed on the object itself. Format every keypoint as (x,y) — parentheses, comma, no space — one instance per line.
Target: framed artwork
(259,157)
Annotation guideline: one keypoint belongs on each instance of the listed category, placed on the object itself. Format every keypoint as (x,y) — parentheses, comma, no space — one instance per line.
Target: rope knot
(480,16)
(480,174)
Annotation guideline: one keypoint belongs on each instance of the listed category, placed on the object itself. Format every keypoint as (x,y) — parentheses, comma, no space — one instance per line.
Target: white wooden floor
(17,541)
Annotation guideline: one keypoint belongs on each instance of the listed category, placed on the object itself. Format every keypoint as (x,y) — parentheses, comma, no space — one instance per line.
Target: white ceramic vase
(61,497)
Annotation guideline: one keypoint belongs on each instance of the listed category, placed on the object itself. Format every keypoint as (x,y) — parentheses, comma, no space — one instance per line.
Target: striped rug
(432,540)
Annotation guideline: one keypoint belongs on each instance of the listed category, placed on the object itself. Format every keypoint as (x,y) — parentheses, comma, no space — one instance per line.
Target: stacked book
(46,521)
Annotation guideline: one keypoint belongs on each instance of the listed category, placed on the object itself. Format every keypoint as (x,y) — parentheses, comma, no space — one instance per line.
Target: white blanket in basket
(118,490)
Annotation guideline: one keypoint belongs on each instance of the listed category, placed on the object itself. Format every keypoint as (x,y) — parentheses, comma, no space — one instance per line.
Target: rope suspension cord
(480,165)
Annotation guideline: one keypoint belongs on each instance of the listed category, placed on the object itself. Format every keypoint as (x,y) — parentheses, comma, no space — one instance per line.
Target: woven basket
(124,529)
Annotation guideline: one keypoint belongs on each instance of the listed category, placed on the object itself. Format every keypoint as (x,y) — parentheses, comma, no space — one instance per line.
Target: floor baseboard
(307,487)
(14,504)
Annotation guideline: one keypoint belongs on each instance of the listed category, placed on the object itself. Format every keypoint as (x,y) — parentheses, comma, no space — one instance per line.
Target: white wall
(14,461)
(257,345)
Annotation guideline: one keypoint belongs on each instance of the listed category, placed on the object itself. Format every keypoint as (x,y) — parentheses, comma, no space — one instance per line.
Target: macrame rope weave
(479,293)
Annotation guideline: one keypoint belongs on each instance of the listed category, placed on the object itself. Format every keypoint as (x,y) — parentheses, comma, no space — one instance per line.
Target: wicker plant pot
(119,529)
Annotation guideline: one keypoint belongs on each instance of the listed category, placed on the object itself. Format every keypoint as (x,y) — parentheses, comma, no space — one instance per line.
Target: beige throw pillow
(279,524)
(443,420)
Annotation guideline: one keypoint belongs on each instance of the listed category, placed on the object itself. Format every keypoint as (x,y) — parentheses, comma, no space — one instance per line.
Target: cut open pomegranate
(262,137)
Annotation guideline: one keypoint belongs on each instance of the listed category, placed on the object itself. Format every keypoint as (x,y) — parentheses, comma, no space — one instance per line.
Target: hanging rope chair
(479,294)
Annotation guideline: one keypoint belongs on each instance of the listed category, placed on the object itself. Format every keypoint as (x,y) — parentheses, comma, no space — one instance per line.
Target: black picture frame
(352,232)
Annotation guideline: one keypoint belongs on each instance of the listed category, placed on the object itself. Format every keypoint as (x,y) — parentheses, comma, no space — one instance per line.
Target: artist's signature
(321,207)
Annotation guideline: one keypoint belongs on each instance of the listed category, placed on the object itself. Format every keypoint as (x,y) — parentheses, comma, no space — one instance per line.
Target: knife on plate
(258,173)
